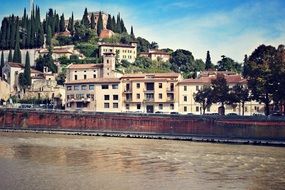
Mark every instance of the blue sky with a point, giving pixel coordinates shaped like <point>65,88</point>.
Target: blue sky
<point>224,27</point>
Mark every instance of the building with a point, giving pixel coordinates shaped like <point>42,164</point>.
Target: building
<point>123,51</point>
<point>60,51</point>
<point>156,55</point>
<point>189,87</point>
<point>150,93</point>
<point>105,33</point>
<point>91,71</point>
<point>5,91</point>
<point>97,94</point>
<point>96,15</point>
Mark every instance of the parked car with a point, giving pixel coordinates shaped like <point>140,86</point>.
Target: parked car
<point>190,114</point>
<point>159,112</point>
<point>232,114</point>
<point>174,113</point>
<point>276,114</point>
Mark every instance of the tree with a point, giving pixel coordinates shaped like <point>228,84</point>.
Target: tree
<point>204,97</point>
<point>228,64</point>
<point>259,74</point>
<point>154,45</point>
<point>49,36</point>
<point>132,33</point>
<point>10,56</point>
<point>2,63</point>
<point>123,28</point>
<point>70,26</point>
<point>240,95</point>
<point>220,93</point>
<point>93,24</point>
<point>62,23</point>
<point>114,25</point>
<point>27,71</point>
<point>85,19</point>
<point>118,24</point>
<point>99,24</point>
<point>209,65</point>
<point>109,23</point>
<point>17,53</point>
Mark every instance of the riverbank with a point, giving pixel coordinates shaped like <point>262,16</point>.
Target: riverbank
<point>118,134</point>
<point>217,129</point>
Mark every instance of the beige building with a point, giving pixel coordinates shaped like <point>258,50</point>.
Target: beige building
<point>98,94</point>
<point>150,93</point>
<point>189,87</point>
<point>60,51</point>
<point>122,51</point>
<point>156,55</point>
<point>4,90</point>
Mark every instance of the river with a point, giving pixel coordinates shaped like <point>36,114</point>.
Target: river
<point>41,161</point>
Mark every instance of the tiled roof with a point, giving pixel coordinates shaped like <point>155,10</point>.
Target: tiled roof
<point>116,45</point>
<point>105,33</point>
<point>85,66</point>
<point>96,80</point>
<point>152,75</point>
<point>231,79</point>
<point>18,65</point>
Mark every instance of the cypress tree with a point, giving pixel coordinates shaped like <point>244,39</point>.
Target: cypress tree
<point>114,26</point>
<point>28,43</point>
<point>41,37</point>
<point>13,32</point>
<point>57,24</point>
<point>93,24</point>
<point>62,23</point>
<point>122,26</point>
<point>208,63</point>
<point>27,71</point>
<point>132,33</point>
<point>99,24</point>
<point>118,24</point>
<point>4,28</point>
<point>10,56</point>
<point>49,36</point>
<point>85,20</point>
<point>8,34</point>
<point>2,63</point>
<point>109,23</point>
<point>17,58</point>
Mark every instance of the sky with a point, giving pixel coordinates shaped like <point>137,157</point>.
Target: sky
<point>224,27</point>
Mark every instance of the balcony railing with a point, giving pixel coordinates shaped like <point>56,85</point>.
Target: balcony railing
<point>149,100</point>
<point>80,100</point>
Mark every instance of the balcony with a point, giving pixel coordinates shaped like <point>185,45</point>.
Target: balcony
<point>127,91</point>
<point>80,100</point>
<point>149,100</point>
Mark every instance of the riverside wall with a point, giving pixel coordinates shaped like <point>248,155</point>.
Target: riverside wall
<point>196,126</point>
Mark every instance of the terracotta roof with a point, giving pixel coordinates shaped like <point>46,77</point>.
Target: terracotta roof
<point>116,45</point>
<point>84,66</point>
<point>18,65</point>
<point>36,71</point>
<point>105,33</point>
<point>152,75</point>
<point>96,80</point>
<point>231,79</point>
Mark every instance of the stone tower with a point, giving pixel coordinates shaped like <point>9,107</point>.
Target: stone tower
<point>109,65</point>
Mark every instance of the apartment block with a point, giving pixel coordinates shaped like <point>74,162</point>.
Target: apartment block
<point>122,51</point>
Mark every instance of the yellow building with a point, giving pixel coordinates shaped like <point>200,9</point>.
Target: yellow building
<point>99,94</point>
<point>189,87</point>
<point>150,93</point>
<point>123,51</point>
<point>156,55</point>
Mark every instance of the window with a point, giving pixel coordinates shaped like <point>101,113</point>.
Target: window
<point>106,105</point>
<point>107,97</point>
<point>105,86</point>
<point>160,106</point>
<point>197,108</point>
<point>115,97</point>
<point>185,108</point>
<point>85,76</point>
<point>159,85</point>
<point>76,87</point>
<point>197,88</point>
<point>245,109</point>
<point>138,85</point>
<point>94,76</point>
<point>138,106</point>
<point>208,109</point>
<point>115,86</point>
<point>127,106</point>
<point>185,88</point>
<point>69,88</point>
<point>172,106</point>
<point>185,98</point>
<point>115,105</point>
<point>138,96</point>
<point>83,87</point>
<point>75,77</point>
<point>160,96</point>
<point>91,87</point>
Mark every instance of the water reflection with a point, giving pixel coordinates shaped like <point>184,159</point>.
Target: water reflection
<point>72,162</point>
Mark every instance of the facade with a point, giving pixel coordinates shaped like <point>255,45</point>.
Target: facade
<point>96,15</point>
<point>156,55</point>
<point>189,87</point>
<point>105,33</point>
<point>123,51</point>
<point>60,51</point>
<point>5,90</point>
<point>150,93</point>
